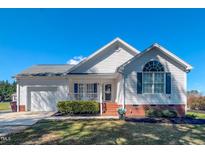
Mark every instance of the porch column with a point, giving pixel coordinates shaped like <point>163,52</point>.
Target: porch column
<point>123,105</point>
<point>17,97</point>
<point>101,108</point>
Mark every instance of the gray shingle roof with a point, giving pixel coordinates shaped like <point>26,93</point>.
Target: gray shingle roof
<point>46,70</point>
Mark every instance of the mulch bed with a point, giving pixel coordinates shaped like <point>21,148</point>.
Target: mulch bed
<point>183,120</point>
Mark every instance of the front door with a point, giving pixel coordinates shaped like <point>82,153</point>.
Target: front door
<point>107,92</point>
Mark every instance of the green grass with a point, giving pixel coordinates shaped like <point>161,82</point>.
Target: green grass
<point>5,106</point>
<point>196,115</point>
<point>108,132</point>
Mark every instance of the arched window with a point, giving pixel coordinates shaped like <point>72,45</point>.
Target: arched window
<point>153,77</point>
<point>153,66</point>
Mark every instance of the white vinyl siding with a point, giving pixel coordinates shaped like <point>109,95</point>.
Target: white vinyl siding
<point>178,81</point>
<point>105,62</point>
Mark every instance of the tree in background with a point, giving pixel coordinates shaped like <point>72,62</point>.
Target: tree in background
<point>195,93</point>
<point>6,90</point>
<point>195,100</point>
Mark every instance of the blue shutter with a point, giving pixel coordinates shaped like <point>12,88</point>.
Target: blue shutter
<point>168,83</point>
<point>95,87</point>
<point>139,83</point>
<point>75,88</point>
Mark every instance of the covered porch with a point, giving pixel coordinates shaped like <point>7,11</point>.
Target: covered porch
<point>101,88</point>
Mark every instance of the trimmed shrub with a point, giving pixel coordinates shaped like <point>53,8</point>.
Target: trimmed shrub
<point>161,113</point>
<point>62,107</point>
<point>153,113</point>
<point>78,107</point>
<point>169,113</point>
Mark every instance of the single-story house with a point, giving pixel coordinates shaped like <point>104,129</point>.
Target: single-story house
<point>117,75</point>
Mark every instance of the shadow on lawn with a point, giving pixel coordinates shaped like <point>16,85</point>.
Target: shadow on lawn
<point>177,120</point>
<point>108,132</point>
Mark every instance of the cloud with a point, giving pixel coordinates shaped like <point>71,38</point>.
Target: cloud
<point>75,60</point>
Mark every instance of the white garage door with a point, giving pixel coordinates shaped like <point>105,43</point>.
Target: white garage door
<point>43,101</point>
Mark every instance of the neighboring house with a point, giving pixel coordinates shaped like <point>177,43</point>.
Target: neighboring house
<point>116,75</point>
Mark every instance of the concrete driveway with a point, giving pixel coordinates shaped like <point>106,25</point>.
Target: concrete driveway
<point>16,121</point>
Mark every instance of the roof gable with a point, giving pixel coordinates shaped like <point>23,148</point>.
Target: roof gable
<point>116,42</point>
<point>171,55</point>
<point>184,64</point>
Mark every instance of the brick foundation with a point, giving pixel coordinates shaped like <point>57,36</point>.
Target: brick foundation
<point>139,110</point>
<point>110,109</point>
<point>22,108</point>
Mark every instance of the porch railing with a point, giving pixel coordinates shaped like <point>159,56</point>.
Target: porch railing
<point>84,96</point>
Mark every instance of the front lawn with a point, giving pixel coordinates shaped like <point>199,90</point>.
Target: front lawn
<point>195,114</point>
<point>108,132</point>
<point>5,106</point>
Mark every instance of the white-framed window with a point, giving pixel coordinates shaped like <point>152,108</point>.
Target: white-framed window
<point>91,88</point>
<point>85,91</point>
<point>85,88</point>
<point>153,82</point>
<point>147,83</point>
<point>159,82</point>
<point>80,88</point>
<point>153,78</point>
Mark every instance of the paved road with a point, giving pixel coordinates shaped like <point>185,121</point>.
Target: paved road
<point>16,121</point>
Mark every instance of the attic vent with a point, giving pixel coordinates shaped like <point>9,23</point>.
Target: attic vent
<point>117,48</point>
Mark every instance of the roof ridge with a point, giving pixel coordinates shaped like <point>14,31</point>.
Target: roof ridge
<point>51,64</point>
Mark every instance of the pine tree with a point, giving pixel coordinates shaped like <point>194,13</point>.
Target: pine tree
<point>6,90</point>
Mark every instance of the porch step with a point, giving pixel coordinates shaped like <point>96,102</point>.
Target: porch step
<point>107,107</point>
<point>110,114</point>
<point>110,109</point>
<point>111,104</point>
